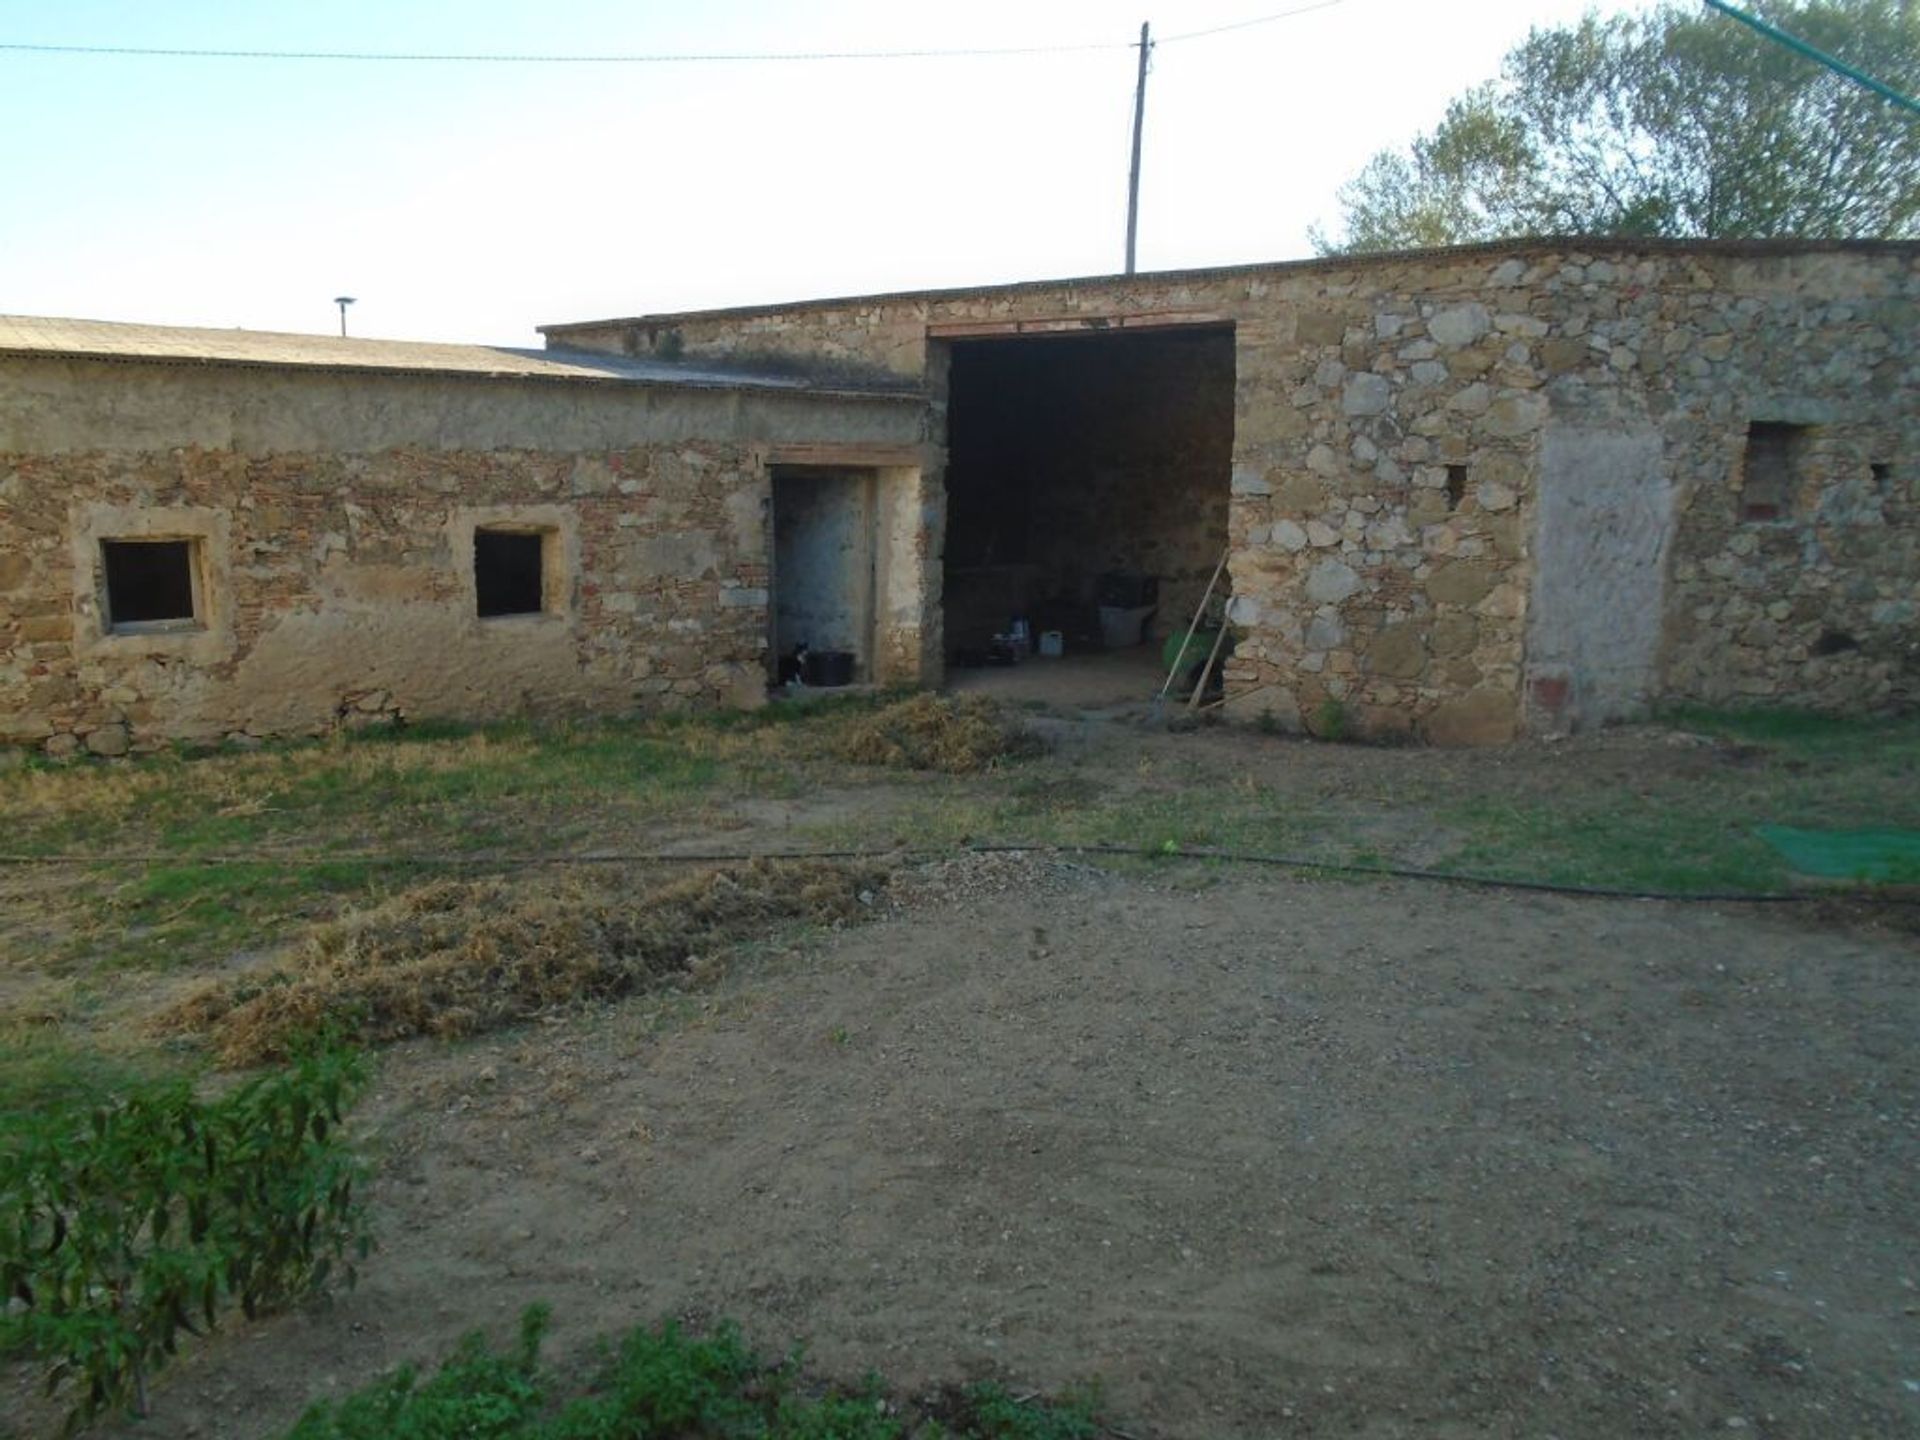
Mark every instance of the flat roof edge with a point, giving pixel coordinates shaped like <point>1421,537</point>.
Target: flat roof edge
<point>748,385</point>
<point>1609,244</point>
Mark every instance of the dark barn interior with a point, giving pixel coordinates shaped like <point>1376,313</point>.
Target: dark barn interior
<point>1085,469</point>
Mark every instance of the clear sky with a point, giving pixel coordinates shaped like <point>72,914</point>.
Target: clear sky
<point>475,201</point>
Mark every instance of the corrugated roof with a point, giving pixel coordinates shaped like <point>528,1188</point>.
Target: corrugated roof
<point>1592,244</point>
<point>108,340</point>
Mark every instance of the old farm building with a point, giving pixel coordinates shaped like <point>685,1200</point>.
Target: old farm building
<point>1470,493</point>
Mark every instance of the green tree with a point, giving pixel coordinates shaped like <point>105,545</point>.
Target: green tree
<point>1675,122</point>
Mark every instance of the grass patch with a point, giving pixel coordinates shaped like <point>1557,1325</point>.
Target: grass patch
<point>1801,732</point>
<point>1161,818</point>
<point>1228,817</point>
<point>666,1383</point>
<point>285,822</point>
<point>1658,844</point>
<point>1697,828</point>
<point>174,915</point>
<point>456,957</point>
<point>43,1069</point>
<point>414,788</point>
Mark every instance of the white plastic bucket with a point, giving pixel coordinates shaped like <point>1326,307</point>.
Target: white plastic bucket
<point>1120,628</point>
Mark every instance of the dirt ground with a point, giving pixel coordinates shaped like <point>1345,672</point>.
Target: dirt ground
<point>1266,1156</point>
<point>1096,680</point>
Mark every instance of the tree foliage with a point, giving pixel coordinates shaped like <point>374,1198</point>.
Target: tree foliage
<point>1674,122</point>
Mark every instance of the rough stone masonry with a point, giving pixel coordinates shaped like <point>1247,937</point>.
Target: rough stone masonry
<point>1497,489</point>
<point>324,503</point>
<point>1471,494</point>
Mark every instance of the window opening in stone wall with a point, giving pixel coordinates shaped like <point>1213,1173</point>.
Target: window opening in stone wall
<point>1771,473</point>
<point>149,582</point>
<point>1456,486</point>
<point>1882,479</point>
<point>509,572</point>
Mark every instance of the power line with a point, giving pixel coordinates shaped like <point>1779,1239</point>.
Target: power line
<point>1247,24</point>
<point>720,58</point>
<point>420,57</point>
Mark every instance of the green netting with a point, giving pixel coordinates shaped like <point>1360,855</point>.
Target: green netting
<point>1886,855</point>
<point>1181,650</point>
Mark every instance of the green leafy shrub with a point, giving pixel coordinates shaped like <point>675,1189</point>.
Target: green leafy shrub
<point>476,1395</point>
<point>1332,722</point>
<point>124,1224</point>
<point>666,1384</point>
<point>996,1415</point>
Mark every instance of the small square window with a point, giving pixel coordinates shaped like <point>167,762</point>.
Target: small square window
<point>149,582</point>
<point>1771,472</point>
<point>509,572</point>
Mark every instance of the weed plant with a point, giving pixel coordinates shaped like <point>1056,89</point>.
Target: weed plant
<point>125,1224</point>
<point>666,1383</point>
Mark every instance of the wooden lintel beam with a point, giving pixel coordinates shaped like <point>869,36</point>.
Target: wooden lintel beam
<point>852,456</point>
<point>1164,319</point>
<point>1074,324</point>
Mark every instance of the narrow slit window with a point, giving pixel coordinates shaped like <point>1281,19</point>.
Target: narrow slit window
<point>149,582</point>
<point>509,572</point>
<point>1771,471</point>
<point>1882,478</point>
<point>1456,486</point>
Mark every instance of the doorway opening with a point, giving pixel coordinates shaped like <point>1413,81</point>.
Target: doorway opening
<point>824,574</point>
<point>1088,481</point>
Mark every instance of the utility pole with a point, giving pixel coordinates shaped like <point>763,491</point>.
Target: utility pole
<point>1139,115</point>
<point>343,301</point>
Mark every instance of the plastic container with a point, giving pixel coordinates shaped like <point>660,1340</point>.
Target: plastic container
<point>1120,628</point>
<point>1052,644</point>
<point>829,668</point>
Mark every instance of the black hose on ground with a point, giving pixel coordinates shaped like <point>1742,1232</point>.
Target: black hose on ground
<point>1238,857</point>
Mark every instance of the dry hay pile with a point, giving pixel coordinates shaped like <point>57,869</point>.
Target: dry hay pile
<point>461,956</point>
<point>958,735</point>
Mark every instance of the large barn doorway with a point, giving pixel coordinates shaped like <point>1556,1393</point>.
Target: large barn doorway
<point>1087,481</point>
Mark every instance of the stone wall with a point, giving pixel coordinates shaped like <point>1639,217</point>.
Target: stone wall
<point>1819,605</point>
<point>331,519</point>
<point>1391,416</point>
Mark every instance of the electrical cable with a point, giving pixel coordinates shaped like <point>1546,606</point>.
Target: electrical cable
<point>1243,857</point>
<point>422,57</point>
<point>1246,24</point>
<point>727,57</point>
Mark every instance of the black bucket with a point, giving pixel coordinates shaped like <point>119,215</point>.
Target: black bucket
<point>828,668</point>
